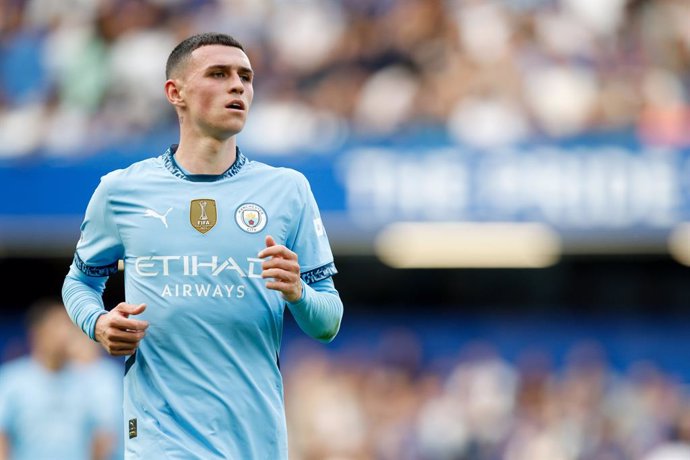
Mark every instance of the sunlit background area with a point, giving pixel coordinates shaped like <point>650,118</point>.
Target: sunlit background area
<point>505,185</point>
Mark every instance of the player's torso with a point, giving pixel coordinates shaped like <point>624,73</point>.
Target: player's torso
<point>214,329</point>
<point>191,248</point>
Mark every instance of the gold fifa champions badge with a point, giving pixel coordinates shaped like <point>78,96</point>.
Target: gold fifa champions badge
<point>202,214</point>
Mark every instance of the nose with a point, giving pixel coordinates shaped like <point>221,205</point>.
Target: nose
<point>236,84</point>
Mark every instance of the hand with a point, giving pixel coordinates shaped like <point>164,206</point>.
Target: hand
<point>283,268</point>
<point>117,332</point>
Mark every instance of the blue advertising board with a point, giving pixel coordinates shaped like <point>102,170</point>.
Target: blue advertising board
<point>590,192</point>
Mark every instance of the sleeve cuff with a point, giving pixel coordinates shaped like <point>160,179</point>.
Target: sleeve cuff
<point>320,273</point>
<point>91,331</point>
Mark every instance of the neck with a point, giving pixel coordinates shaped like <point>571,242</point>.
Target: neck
<point>207,155</point>
<point>49,361</point>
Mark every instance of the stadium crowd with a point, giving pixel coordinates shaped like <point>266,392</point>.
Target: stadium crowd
<point>388,401</point>
<point>479,406</point>
<point>85,74</point>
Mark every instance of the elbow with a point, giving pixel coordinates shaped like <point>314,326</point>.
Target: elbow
<point>326,338</point>
<point>328,335</point>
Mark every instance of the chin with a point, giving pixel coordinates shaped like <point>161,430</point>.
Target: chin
<point>225,132</point>
<point>234,129</point>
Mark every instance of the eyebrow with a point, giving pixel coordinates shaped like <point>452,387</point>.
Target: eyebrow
<point>240,69</point>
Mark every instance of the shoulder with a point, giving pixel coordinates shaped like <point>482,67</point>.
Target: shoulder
<point>131,174</point>
<point>133,171</point>
<point>16,370</point>
<point>286,175</point>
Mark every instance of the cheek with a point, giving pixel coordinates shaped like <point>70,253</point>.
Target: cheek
<point>204,103</point>
<point>249,94</point>
<point>201,100</point>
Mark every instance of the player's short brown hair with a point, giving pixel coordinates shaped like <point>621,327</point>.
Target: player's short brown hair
<point>182,51</point>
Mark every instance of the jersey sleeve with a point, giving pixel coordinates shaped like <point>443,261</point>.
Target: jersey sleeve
<point>99,248</point>
<point>309,239</point>
<point>96,258</point>
<point>319,311</point>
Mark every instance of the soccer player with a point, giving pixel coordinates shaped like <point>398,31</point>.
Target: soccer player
<point>104,377</point>
<point>214,245</point>
<point>47,410</point>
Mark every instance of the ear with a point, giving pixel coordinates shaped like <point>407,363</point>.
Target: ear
<point>173,91</point>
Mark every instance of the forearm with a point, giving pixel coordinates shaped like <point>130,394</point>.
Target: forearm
<point>320,310</point>
<point>4,447</point>
<point>82,296</point>
<point>102,446</point>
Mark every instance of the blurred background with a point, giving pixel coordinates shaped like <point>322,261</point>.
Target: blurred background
<point>505,184</point>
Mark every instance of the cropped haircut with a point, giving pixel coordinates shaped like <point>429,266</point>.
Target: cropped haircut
<point>184,49</point>
<point>40,309</point>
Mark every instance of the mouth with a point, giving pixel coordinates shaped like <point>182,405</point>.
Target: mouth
<point>235,105</point>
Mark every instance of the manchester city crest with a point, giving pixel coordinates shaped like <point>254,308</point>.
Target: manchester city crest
<point>251,217</point>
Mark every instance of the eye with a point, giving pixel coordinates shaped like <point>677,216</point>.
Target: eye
<point>246,77</point>
<point>218,74</point>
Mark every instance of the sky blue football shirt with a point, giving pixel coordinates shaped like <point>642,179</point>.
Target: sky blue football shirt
<point>204,383</point>
<point>47,415</point>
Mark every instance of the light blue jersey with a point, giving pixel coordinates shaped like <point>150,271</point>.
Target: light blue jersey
<point>205,381</point>
<point>104,378</point>
<point>47,415</point>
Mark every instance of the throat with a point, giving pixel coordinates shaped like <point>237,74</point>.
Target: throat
<point>205,161</point>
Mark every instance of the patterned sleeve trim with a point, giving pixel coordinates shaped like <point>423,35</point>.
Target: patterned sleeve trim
<point>318,274</point>
<point>104,270</point>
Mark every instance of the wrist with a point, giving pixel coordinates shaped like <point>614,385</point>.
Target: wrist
<point>98,327</point>
<point>301,296</point>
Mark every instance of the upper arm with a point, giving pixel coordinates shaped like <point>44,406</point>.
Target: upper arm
<point>309,239</point>
<point>100,247</point>
<point>96,258</point>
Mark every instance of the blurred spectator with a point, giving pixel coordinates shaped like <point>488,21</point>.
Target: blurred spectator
<point>677,447</point>
<point>47,408</point>
<point>483,408</point>
<point>488,72</point>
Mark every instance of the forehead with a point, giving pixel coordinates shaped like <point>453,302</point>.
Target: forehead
<point>213,55</point>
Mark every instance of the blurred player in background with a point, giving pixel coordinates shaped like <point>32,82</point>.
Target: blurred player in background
<point>104,378</point>
<point>46,407</point>
<point>214,246</point>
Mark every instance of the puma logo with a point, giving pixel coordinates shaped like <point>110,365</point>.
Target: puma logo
<point>163,217</point>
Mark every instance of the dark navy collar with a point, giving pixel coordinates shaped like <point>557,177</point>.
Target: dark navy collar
<point>171,165</point>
